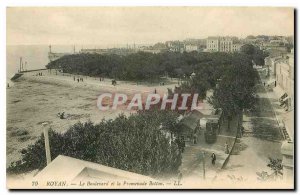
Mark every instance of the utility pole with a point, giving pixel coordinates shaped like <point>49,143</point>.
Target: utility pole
<point>47,146</point>
<point>20,64</point>
<point>203,155</point>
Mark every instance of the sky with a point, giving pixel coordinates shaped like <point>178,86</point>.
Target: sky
<point>140,25</point>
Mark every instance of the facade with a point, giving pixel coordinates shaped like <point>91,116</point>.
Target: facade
<point>271,63</point>
<point>212,44</point>
<point>190,48</point>
<point>284,76</point>
<point>285,79</point>
<point>236,47</point>
<point>191,44</point>
<point>223,44</point>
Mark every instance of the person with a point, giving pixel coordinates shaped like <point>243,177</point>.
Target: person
<point>182,143</point>
<point>77,80</point>
<point>264,84</point>
<point>62,116</point>
<point>74,78</point>
<point>213,159</point>
<point>155,91</point>
<point>242,130</point>
<point>226,148</point>
<point>195,138</point>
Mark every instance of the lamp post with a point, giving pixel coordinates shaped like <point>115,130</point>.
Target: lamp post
<point>203,156</point>
<point>47,145</point>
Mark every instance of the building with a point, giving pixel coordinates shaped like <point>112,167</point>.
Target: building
<point>271,63</point>
<point>237,47</point>
<point>191,124</point>
<point>213,44</point>
<point>199,43</point>
<point>284,88</point>
<point>73,171</point>
<point>223,44</point>
<point>285,79</point>
<point>175,46</point>
<point>190,48</point>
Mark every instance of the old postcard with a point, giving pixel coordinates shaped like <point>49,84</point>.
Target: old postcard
<point>150,98</point>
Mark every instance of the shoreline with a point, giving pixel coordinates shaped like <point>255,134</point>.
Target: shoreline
<point>33,103</point>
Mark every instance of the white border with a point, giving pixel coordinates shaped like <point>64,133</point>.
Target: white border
<point>11,3</point>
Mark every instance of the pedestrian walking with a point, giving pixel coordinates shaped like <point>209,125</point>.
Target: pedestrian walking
<point>195,138</point>
<point>213,159</point>
<point>155,91</point>
<point>74,78</point>
<point>78,80</point>
<point>182,143</point>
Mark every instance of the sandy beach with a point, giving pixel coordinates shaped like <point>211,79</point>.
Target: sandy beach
<point>33,103</point>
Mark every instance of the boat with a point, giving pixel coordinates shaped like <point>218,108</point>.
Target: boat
<point>19,74</point>
<point>16,76</point>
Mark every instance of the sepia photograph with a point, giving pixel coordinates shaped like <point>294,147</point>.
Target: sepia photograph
<point>150,97</point>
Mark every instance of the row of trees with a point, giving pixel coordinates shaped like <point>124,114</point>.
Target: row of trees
<point>137,143</point>
<point>232,79</point>
<point>148,66</point>
<point>235,90</point>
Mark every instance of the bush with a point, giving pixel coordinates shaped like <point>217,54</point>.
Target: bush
<point>136,143</point>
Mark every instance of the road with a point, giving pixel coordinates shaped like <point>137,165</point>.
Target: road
<point>262,140</point>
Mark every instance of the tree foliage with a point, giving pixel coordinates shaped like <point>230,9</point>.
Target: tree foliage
<point>254,53</point>
<point>235,89</point>
<point>137,143</point>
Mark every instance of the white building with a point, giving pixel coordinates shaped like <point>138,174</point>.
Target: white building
<point>190,48</point>
<point>223,44</point>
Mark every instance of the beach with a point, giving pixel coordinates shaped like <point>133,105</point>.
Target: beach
<point>33,103</point>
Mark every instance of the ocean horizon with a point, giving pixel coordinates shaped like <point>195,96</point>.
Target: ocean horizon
<point>36,56</point>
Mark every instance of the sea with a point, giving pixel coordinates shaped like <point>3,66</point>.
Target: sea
<point>36,56</point>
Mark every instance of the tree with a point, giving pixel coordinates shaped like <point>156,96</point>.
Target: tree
<point>254,53</point>
<point>235,91</point>
<point>276,167</point>
<point>136,143</point>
